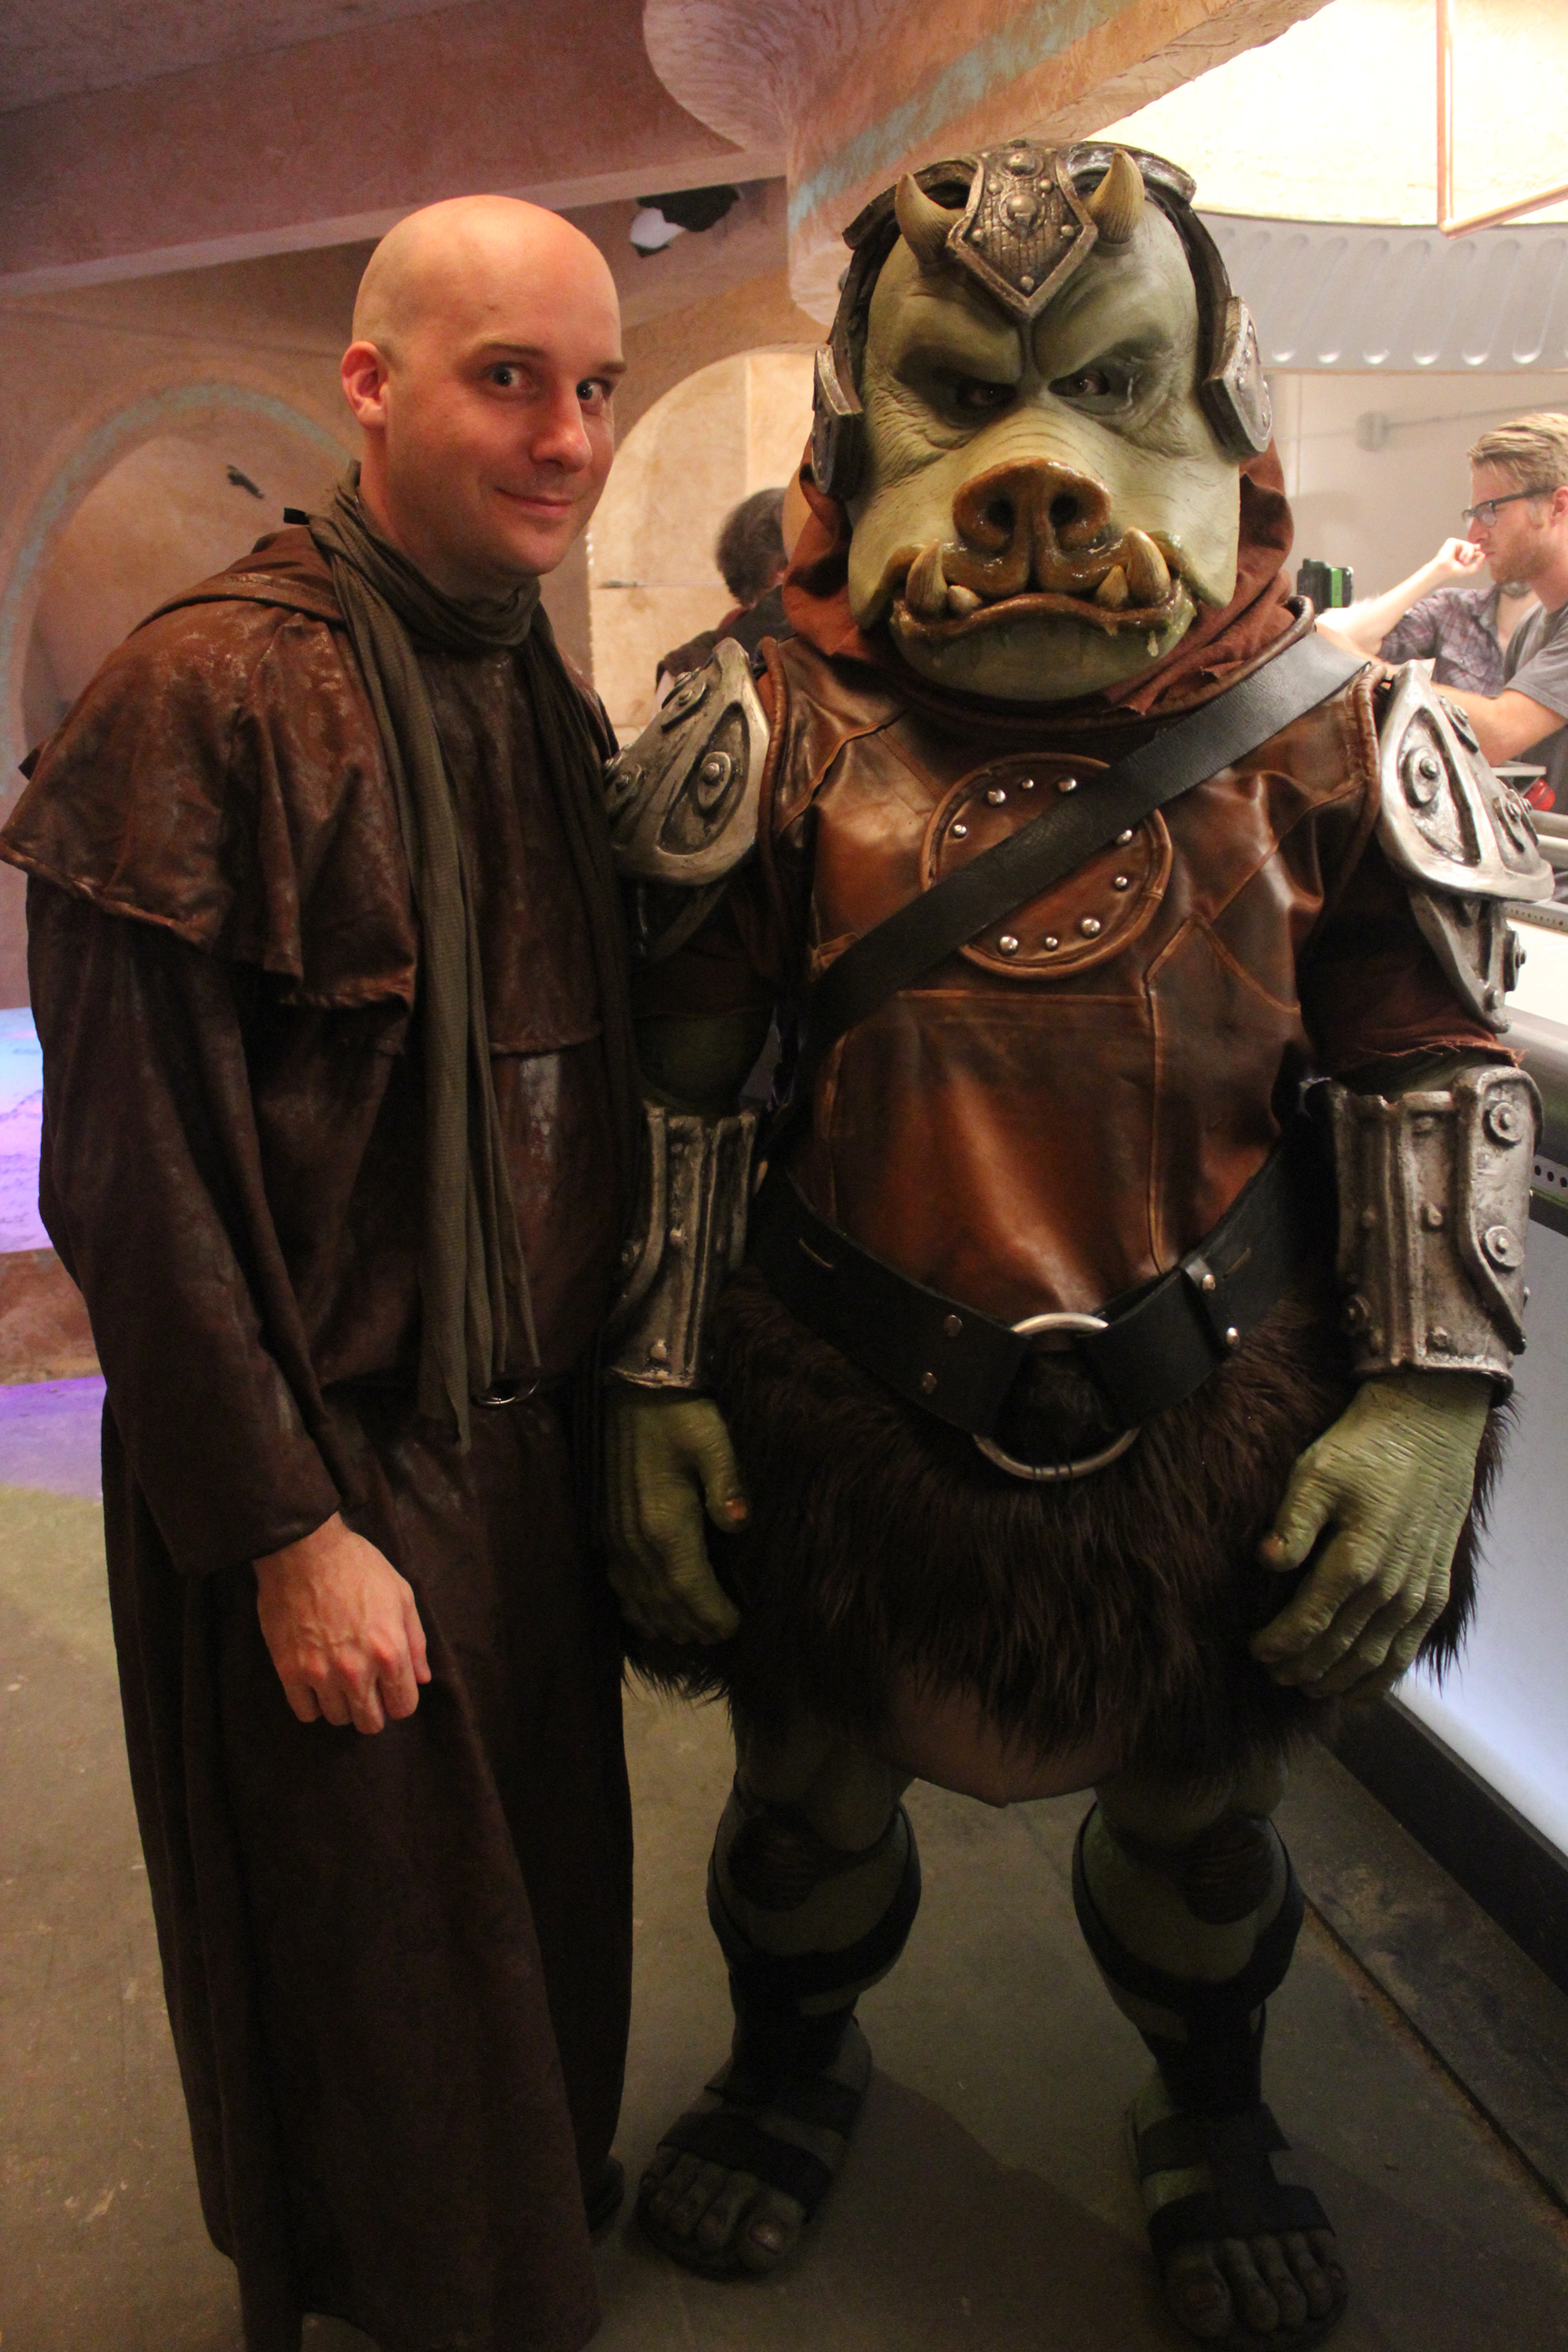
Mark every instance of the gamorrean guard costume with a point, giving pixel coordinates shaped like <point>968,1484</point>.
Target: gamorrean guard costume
<point>1039,1304</point>
<point>398,1968</point>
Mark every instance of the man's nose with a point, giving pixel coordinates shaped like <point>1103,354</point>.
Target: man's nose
<point>560,437</point>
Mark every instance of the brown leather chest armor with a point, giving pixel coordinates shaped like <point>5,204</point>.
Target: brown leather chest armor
<point>1062,1108</point>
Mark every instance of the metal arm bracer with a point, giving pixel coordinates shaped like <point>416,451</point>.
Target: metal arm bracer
<point>690,1237</point>
<point>1460,838</point>
<point>1434,1198</point>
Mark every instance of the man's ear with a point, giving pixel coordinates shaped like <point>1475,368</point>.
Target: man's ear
<point>364,379</point>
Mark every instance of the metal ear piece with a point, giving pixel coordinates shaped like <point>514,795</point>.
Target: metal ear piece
<point>1234,394</point>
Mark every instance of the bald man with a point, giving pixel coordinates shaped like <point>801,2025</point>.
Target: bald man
<point>326,962</point>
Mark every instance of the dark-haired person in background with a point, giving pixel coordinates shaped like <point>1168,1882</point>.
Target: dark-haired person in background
<point>752,558</point>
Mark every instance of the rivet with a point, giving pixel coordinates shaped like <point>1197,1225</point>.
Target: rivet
<point>1067,783</point>
<point>1026,282</point>
<point>1090,927</point>
<point>1121,882</point>
<point>953,1325</point>
<point>659,1353</point>
<point>1437,1337</point>
<point>1427,764</point>
<point>1123,838</point>
<point>1432,1217</point>
<point>1026,783</point>
<point>678,1237</point>
<point>995,795</point>
<point>1008,943</point>
<point>1052,939</point>
<point>928,1384</point>
<point>1369,1221</point>
<point>1207,1283</point>
<point>961,832</point>
<point>1232,1336</point>
<point>1527,1294</point>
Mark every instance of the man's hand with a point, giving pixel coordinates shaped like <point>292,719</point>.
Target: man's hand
<point>1457,560</point>
<point>1392,1479</point>
<point>667,1459</point>
<point>342,1629</point>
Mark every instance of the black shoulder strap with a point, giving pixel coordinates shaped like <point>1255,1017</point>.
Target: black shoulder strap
<point>1055,844</point>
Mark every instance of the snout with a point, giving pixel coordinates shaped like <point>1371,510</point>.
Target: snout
<point>1038,529</point>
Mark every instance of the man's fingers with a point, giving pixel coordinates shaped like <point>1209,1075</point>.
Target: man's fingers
<point>302,1699</point>
<point>418,1655</point>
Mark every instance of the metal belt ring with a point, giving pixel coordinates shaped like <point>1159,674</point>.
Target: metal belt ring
<point>1039,1472</point>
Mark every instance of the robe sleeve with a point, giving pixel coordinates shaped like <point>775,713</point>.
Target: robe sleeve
<point>152,1187</point>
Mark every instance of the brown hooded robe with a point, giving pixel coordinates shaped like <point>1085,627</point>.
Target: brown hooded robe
<point>397,1967</point>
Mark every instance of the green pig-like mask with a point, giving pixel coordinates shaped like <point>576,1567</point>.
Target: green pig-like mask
<point>1036,409</point>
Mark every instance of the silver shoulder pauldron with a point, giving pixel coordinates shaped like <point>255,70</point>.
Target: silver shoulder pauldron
<point>683,801</point>
<point>1460,838</point>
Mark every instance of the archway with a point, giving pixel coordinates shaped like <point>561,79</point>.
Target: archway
<point>735,426</point>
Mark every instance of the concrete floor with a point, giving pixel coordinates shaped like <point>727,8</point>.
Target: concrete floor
<point>985,2205</point>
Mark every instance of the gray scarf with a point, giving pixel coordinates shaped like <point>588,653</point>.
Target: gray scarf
<point>476,1318</point>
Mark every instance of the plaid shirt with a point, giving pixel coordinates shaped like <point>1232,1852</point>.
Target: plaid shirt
<point>1456,630</point>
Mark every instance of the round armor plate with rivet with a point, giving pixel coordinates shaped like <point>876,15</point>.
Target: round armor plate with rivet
<point>1093,913</point>
<point>1502,1247</point>
<point>1504,1124</point>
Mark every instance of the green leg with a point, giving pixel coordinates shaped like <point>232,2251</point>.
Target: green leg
<point>1188,1902</point>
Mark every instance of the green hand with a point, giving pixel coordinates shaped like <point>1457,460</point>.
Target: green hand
<point>1393,1478</point>
<point>666,1458</point>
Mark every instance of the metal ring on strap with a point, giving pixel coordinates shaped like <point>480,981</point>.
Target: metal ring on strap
<point>1038,1472</point>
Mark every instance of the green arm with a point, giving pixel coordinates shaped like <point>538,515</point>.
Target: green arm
<point>1389,1485</point>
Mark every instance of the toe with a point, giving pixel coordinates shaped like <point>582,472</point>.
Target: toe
<point>699,2194</point>
<point>717,2227</point>
<point>1280,2281</point>
<point>1309,2275</point>
<point>1197,2294</point>
<point>667,2180</point>
<point>1253,2300</point>
<point>771,2230</point>
<point>1325,2248</point>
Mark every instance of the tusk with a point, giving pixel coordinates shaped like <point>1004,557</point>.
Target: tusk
<point>1147,574</point>
<point>925,590</point>
<point>964,601</point>
<point>924,223</point>
<point>1116,207</point>
<point>1112,591</point>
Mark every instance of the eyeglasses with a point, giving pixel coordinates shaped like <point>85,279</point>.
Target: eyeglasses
<point>1486,513</point>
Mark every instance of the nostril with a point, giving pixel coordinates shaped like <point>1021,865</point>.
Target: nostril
<point>999,516</point>
<point>1065,510</point>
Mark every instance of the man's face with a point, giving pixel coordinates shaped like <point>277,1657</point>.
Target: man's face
<point>491,434</point>
<point>1526,536</point>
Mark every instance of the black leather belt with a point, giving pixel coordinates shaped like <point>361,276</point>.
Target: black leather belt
<point>1144,1353</point>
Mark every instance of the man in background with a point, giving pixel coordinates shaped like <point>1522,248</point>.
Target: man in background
<point>1517,523</point>
<point>338,1108</point>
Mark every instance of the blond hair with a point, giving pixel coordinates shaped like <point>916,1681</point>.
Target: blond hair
<point>1534,450</point>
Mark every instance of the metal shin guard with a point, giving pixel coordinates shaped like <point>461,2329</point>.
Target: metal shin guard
<point>791,2010</point>
<point>1217,2068</point>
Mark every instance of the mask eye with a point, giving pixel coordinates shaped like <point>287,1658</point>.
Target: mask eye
<point>1106,386</point>
<point>974,397</point>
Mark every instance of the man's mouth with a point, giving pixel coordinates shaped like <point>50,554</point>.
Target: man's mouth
<point>1134,582</point>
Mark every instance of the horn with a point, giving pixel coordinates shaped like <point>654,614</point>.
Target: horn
<point>1116,207</point>
<point>923,224</point>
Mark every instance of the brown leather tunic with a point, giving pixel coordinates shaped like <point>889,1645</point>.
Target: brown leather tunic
<point>1056,1114</point>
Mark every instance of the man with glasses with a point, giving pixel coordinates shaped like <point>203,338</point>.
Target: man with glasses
<point>1517,525</point>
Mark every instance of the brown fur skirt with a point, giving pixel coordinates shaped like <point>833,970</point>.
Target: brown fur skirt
<point>1115,1606</point>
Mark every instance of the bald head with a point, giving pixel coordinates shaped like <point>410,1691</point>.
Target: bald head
<point>465,253</point>
<point>486,347</point>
